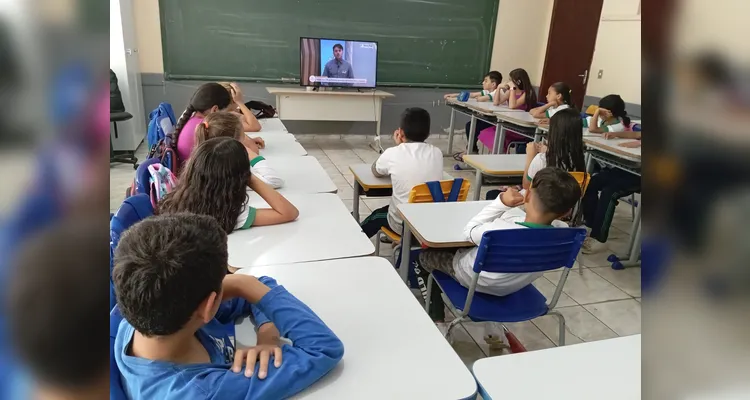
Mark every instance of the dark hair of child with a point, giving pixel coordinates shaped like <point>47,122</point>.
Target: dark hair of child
<point>214,182</point>
<point>615,104</point>
<point>208,95</point>
<point>520,77</point>
<point>565,141</point>
<point>415,122</point>
<point>557,190</point>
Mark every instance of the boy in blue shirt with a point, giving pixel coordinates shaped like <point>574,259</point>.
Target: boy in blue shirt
<point>175,295</point>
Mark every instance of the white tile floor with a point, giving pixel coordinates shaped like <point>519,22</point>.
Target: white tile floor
<point>599,304</point>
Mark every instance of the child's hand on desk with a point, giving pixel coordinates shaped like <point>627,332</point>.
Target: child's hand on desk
<point>259,142</point>
<point>543,121</point>
<point>611,135</point>
<point>632,145</point>
<point>449,96</point>
<point>262,353</point>
<point>511,198</point>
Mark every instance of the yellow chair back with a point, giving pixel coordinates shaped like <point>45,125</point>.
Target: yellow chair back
<point>590,110</point>
<point>421,193</point>
<point>583,179</point>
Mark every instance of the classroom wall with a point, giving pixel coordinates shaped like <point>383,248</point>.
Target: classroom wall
<point>526,19</point>
<point>618,52</point>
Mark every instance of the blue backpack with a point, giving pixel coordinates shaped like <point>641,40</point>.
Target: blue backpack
<point>133,209</point>
<point>161,122</point>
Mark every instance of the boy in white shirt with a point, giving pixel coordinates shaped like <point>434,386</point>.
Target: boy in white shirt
<point>552,194</point>
<point>409,163</point>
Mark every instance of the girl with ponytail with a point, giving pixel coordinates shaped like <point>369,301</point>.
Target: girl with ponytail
<point>209,98</point>
<point>558,98</point>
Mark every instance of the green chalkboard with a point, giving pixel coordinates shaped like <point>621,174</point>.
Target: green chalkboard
<point>421,43</point>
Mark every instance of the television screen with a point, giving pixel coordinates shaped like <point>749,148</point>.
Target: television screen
<point>338,63</point>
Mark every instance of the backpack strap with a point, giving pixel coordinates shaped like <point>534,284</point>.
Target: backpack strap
<point>455,189</point>
<point>436,191</point>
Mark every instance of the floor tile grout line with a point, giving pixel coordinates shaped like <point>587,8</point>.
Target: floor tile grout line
<point>612,283</point>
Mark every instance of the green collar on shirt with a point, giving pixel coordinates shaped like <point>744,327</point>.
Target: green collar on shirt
<point>533,225</point>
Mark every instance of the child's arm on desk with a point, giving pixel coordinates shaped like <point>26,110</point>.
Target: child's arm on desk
<point>622,135</point>
<point>381,166</point>
<point>483,221</point>
<point>281,210</point>
<point>540,112</point>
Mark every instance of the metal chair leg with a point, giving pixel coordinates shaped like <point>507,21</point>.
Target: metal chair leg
<point>451,325</point>
<point>561,333</point>
<point>427,301</point>
<point>396,249</point>
<point>377,243</point>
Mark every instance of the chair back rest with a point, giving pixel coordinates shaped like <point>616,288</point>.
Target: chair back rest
<point>590,110</point>
<point>528,249</point>
<point>116,392</point>
<point>583,179</point>
<point>440,191</point>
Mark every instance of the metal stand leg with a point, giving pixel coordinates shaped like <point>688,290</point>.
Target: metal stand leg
<point>630,259</point>
<point>478,185</point>
<point>472,134</point>
<point>499,138</point>
<point>355,206</point>
<point>451,128</point>
<point>403,268</point>
<point>537,135</point>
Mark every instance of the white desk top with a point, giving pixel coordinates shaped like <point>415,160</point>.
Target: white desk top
<point>392,348</point>
<point>363,175</point>
<point>296,90</point>
<point>272,125</point>
<point>279,145</point>
<point>612,368</point>
<point>441,224</point>
<point>497,164</point>
<point>306,239</point>
<point>612,146</point>
<point>486,107</point>
<point>517,118</point>
<point>301,175</point>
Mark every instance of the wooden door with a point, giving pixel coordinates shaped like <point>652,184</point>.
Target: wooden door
<point>570,46</point>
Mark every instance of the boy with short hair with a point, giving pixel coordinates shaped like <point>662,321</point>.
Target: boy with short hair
<point>553,194</point>
<point>170,278</point>
<point>409,163</point>
<point>490,89</point>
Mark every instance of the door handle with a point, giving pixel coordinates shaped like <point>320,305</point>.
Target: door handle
<point>585,76</point>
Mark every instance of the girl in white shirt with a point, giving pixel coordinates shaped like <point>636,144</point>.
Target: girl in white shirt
<point>558,98</point>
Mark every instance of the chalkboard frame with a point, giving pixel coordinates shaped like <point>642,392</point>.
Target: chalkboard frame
<point>168,76</point>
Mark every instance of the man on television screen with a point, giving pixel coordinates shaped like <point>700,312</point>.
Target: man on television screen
<point>338,67</point>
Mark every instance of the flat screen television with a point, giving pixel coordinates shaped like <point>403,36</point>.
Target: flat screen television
<point>338,63</point>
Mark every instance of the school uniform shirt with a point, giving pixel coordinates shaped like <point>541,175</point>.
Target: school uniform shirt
<point>552,110</point>
<point>408,165</point>
<point>494,216</point>
<point>186,139</point>
<point>315,351</point>
<point>491,94</point>
<point>538,163</point>
<point>618,126</point>
<point>261,168</point>
<point>246,218</point>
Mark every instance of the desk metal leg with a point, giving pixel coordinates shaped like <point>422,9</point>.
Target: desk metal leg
<point>472,134</point>
<point>537,135</point>
<point>355,206</point>
<point>630,259</point>
<point>589,163</point>
<point>477,185</point>
<point>451,128</point>
<point>499,138</point>
<point>403,269</point>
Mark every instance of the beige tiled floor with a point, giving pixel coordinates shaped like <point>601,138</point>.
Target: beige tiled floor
<point>599,304</point>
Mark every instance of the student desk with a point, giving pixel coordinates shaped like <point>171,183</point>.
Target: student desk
<point>608,152</point>
<point>365,180</point>
<point>484,110</point>
<point>392,348</point>
<point>435,225</point>
<point>302,175</point>
<point>612,368</point>
<point>496,165</point>
<point>309,238</point>
<point>272,125</point>
<point>279,145</point>
<point>515,118</point>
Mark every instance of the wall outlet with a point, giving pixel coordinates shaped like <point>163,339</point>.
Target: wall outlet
<point>600,74</point>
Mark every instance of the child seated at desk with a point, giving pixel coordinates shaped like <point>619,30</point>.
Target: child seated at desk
<point>176,297</point>
<point>489,92</point>
<point>602,196</point>
<point>209,98</point>
<point>214,182</point>
<point>225,124</point>
<point>558,98</point>
<point>552,195</point>
<point>409,163</point>
<point>519,95</point>
<point>609,117</point>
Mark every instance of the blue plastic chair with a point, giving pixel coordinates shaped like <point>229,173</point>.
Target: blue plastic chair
<point>512,251</point>
<point>116,392</point>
